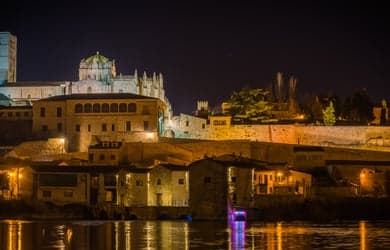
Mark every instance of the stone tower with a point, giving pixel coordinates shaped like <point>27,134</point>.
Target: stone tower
<point>8,48</point>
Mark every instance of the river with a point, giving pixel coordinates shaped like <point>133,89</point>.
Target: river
<point>102,235</point>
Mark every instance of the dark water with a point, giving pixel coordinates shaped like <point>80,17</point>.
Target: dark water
<point>16,234</point>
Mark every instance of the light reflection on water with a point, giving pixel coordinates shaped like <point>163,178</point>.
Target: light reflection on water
<point>102,235</point>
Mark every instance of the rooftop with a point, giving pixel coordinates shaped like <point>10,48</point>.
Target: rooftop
<point>96,96</point>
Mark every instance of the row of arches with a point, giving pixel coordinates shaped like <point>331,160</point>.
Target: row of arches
<point>105,107</point>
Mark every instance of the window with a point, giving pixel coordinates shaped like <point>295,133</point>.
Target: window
<point>43,112</point>
<point>112,127</point>
<point>77,127</point>
<point>9,114</point>
<point>132,107</point>
<point>114,107</point>
<point>90,157</point>
<point>88,108</point>
<point>105,108</point>
<point>44,128</point>
<point>219,122</point>
<point>26,113</point>
<point>68,194</point>
<point>17,114</point>
<point>112,157</point>
<point>46,193</point>
<point>128,126</point>
<point>59,127</point>
<point>104,127</point>
<point>203,125</point>
<point>146,125</point>
<point>187,123</point>
<point>78,108</point>
<point>159,181</point>
<point>101,157</point>
<point>96,108</point>
<point>139,183</point>
<point>207,179</point>
<point>233,179</point>
<point>181,181</point>
<point>89,127</point>
<point>59,112</point>
<point>122,107</point>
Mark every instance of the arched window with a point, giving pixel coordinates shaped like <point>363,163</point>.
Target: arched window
<point>78,108</point>
<point>132,107</point>
<point>122,107</point>
<point>114,107</point>
<point>105,107</point>
<point>96,108</point>
<point>89,90</point>
<point>87,108</point>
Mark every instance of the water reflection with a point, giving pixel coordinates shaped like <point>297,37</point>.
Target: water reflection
<point>104,235</point>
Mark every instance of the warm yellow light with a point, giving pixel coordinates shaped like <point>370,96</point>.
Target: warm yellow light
<point>150,135</point>
<point>62,140</point>
<point>279,174</point>
<point>362,175</point>
<point>11,174</point>
<point>20,176</point>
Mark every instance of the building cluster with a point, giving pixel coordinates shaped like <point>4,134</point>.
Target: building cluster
<point>106,140</point>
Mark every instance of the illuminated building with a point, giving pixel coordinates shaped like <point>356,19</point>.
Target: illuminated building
<point>88,119</point>
<point>8,47</point>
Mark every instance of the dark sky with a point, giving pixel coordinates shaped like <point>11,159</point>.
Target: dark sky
<point>207,50</point>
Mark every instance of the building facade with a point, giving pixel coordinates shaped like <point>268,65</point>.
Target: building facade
<point>88,119</point>
<point>8,49</point>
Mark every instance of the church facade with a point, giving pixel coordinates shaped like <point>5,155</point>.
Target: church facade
<point>97,75</point>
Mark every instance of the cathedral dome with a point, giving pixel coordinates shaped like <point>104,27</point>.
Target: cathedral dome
<point>96,59</point>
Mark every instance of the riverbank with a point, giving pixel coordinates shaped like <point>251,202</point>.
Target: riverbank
<point>318,209</point>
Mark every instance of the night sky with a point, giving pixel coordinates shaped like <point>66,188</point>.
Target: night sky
<point>207,50</point>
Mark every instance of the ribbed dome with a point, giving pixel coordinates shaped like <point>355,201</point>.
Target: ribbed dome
<point>95,58</point>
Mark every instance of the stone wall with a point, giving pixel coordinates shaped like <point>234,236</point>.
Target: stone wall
<point>374,137</point>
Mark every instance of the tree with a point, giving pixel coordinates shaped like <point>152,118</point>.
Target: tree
<point>249,105</point>
<point>358,108</point>
<point>329,115</point>
<point>383,112</point>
